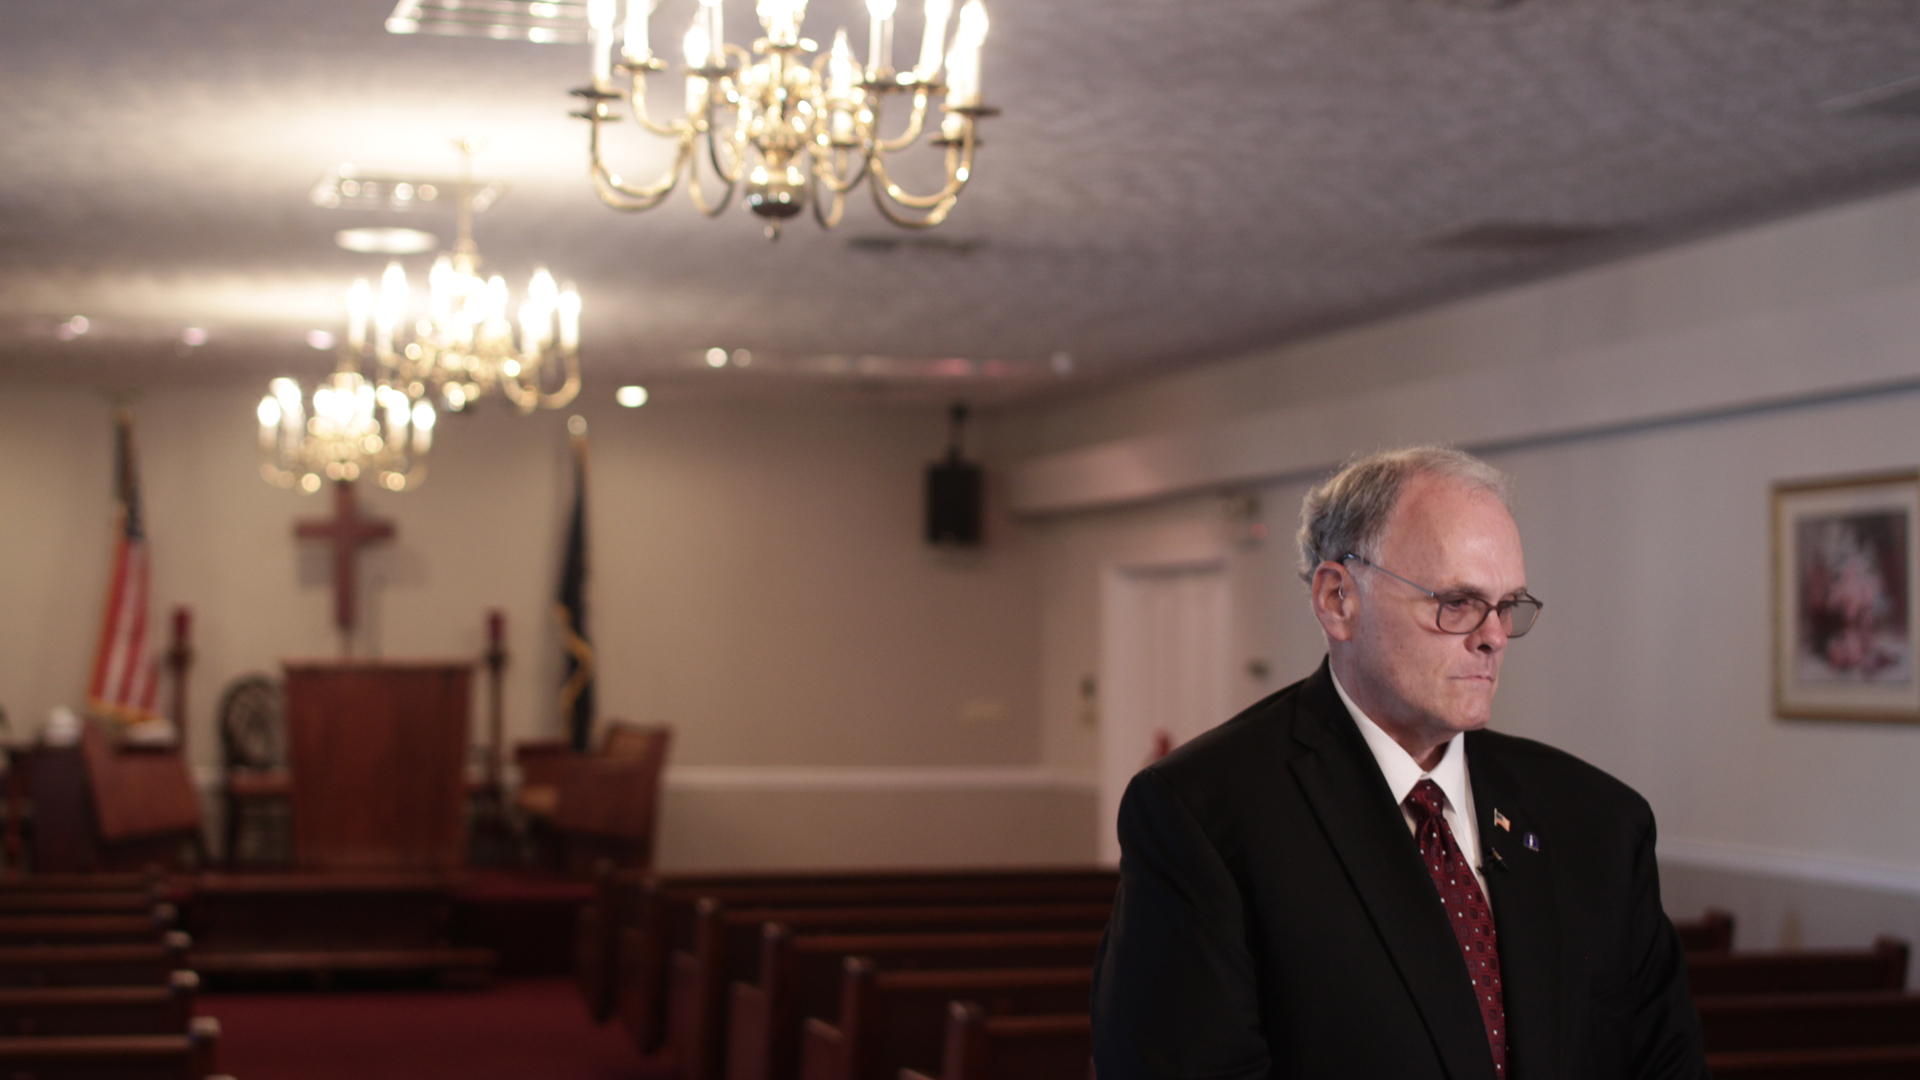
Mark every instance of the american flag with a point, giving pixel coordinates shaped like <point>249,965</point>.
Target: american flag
<point>126,675</point>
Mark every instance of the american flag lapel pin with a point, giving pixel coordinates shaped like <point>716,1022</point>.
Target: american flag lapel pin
<point>1500,820</point>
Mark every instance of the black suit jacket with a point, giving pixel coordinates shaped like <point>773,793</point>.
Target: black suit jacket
<point>1275,919</point>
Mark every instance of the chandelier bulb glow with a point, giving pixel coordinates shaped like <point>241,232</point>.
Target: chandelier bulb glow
<point>933,41</point>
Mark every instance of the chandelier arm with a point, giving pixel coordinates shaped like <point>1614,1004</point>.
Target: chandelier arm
<point>528,398</point>
<point>621,196</point>
<point>959,164</point>
<point>737,141</point>
<point>699,196</point>
<point>831,173</point>
<point>827,219</point>
<point>637,101</point>
<point>915,124</point>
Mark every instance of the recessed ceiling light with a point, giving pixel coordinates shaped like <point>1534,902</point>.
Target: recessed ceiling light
<point>742,358</point>
<point>386,241</point>
<point>320,339</point>
<point>631,396</point>
<point>716,358</point>
<point>193,335</point>
<point>72,328</point>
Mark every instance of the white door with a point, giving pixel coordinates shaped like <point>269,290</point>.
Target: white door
<point>1165,673</point>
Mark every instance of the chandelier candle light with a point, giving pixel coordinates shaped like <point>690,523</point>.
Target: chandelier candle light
<point>356,427</point>
<point>790,130</point>
<point>464,349</point>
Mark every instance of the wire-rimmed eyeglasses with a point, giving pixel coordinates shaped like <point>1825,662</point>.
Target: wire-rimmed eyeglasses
<point>1463,613</point>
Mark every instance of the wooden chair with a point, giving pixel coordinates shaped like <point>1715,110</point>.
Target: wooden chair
<point>1713,932</point>
<point>1883,967</point>
<point>596,806</point>
<point>800,978</point>
<point>253,754</point>
<point>893,1020</point>
<point>145,809</point>
<point>1055,1046</point>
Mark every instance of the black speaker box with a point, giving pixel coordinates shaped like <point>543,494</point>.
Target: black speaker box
<point>953,502</point>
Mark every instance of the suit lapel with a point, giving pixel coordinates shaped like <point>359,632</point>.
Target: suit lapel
<point>1520,884</point>
<point>1349,797</point>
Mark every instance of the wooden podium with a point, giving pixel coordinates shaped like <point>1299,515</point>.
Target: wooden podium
<point>377,753</point>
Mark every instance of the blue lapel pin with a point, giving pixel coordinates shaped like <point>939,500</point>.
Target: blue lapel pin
<point>1531,842</point>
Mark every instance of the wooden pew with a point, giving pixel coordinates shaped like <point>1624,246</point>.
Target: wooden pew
<point>1712,932</point>
<point>1056,1046</point>
<point>79,901</point>
<point>893,1020</point>
<point>624,947</point>
<point>150,964</point>
<point>726,948</point>
<point>1851,1063</point>
<point>104,881</point>
<point>188,1055</point>
<point>800,977</point>
<point>99,1010</point>
<point>86,929</point>
<point>1883,967</point>
<point>1809,1021</point>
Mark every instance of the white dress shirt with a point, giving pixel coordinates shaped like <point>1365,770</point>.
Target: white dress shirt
<point>1403,772</point>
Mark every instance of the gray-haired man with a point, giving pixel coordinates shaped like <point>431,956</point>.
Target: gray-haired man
<point>1353,879</point>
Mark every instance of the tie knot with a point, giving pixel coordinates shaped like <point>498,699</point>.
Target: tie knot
<point>1426,800</point>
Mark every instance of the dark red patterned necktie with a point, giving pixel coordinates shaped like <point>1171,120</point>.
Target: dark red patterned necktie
<point>1467,910</point>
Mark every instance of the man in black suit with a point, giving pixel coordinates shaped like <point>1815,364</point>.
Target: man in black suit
<point>1353,879</point>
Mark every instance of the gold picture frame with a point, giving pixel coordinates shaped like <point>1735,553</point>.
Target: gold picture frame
<point>1846,570</point>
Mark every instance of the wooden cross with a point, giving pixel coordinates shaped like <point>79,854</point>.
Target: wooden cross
<point>346,530</point>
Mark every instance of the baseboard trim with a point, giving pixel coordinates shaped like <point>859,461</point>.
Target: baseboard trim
<point>1776,862</point>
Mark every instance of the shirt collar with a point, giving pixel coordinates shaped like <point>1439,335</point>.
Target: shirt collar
<point>1399,767</point>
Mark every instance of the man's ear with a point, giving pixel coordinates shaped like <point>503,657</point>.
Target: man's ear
<point>1334,602</point>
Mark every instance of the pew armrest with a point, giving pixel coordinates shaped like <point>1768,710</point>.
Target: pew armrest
<point>823,1051</point>
<point>749,1039</point>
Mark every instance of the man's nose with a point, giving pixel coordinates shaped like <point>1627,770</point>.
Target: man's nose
<point>1491,635</point>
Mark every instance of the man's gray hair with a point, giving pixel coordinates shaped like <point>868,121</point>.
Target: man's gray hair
<point>1348,511</point>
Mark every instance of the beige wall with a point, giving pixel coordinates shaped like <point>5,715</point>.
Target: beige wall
<point>759,582</point>
<point>1647,536</point>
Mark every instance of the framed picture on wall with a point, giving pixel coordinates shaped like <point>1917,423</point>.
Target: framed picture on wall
<point>1845,575</point>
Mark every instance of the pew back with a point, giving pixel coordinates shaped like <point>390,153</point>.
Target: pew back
<point>800,976</point>
<point>982,1047</point>
<point>893,1020</point>
<point>1884,967</point>
<point>726,949</point>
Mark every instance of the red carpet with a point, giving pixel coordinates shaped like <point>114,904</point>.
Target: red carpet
<point>526,1029</point>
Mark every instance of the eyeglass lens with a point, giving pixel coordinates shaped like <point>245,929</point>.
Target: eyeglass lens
<point>1464,614</point>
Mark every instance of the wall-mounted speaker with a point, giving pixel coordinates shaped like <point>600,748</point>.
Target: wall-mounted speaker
<point>954,490</point>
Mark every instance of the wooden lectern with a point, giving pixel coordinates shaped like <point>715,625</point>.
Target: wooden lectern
<point>377,752</point>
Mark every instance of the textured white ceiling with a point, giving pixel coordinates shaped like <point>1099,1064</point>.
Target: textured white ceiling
<point>1172,181</point>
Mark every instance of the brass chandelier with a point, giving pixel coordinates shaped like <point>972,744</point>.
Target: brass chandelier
<point>375,414</point>
<point>790,131</point>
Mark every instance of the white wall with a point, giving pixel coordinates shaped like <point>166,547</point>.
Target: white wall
<point>1644,409</point>
<point>759,582</point>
